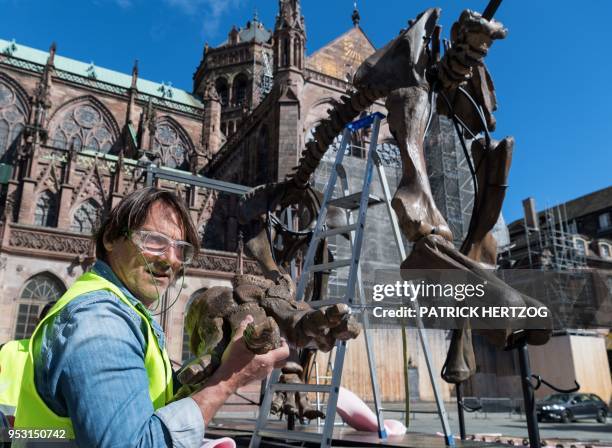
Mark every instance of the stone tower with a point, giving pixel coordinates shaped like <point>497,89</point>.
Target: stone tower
<point>289,44</point>
<point>236,68</point>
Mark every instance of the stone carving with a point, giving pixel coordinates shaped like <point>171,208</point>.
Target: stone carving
<point>49,178</point>
<point>30,239</point>
<point>91,185</point>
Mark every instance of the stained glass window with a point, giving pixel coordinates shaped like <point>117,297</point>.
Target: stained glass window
<point>84,127</point>
<point>4,133</point>
<point>170,146</point>
<point>38,291</point>
<point>45,213</point>
<point>86,217</point>
<point>12,117</point>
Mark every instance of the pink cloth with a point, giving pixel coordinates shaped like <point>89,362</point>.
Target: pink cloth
<point>355,413</point>
<point>224,442</point>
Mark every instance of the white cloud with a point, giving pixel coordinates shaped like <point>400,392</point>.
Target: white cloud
<point>210,11</point>
<point>124,3</point>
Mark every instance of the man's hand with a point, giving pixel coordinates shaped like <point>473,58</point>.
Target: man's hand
<point>239,367</point>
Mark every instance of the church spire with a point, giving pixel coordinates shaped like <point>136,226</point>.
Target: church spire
<point>134,74</point>
<point>355,17</point>
<point>289,15</point>
<point>289,36</point>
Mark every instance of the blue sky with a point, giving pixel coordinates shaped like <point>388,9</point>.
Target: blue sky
<point>552,73</point>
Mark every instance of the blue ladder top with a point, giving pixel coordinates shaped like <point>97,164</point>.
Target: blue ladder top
<point>364,122</point>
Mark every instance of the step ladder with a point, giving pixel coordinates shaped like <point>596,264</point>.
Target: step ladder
<point>352,203</point>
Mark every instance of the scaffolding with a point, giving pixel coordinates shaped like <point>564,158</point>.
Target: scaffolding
<point>449,176</point>
<point>547,243</point>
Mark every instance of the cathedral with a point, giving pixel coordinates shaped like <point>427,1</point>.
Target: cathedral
<point>75,138</point>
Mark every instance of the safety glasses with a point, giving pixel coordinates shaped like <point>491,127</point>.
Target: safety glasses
<point>157,244</point>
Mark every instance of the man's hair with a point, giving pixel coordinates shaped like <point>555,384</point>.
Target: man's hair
<point>131,213</point>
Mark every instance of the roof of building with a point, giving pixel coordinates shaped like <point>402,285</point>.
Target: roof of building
<point>589,203</point>
<point>342,55</point>
<point>161,90</point>
<point>254,31</point>
<point>584,205</point>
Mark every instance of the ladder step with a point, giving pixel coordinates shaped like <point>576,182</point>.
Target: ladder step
<point>351,202</point>
<point>313,437</point>
<point>332,265</point>
<point>338,231</point>
<point>324,388</point>
<point>328,302</point>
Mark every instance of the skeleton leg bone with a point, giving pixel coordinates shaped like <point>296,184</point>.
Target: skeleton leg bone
<point>413,202</point>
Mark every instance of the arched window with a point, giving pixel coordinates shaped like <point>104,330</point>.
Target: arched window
<point>297,53</point>
<point>186,352</point>
<point>285,53</point>
<point>263,147</point>
<point>86,217</point>
<point>83,126</point>
<point>223,91</point>
<point>45,213</point>
<point>171,145</point>
<point>12,117</point>
<point>240,87</point>
<point>38,291</point>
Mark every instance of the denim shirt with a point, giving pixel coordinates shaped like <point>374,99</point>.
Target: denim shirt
<point>91,368</point>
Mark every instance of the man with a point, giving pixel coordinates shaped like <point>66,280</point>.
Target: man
<point>13,356</point>
<point>98,367</point>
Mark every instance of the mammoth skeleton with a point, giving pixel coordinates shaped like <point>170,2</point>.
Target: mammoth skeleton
<point>415,79</point>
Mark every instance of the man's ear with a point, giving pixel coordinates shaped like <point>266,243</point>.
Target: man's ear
<point>108,244</point>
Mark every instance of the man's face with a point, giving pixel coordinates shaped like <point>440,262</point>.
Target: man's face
<point>148,276</point>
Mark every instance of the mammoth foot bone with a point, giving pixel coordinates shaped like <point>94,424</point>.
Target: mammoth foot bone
<point>434,252</point>
<point>294,403</point>
<point>216,313</point>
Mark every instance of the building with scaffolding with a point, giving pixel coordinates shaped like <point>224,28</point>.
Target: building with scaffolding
<point>570,238</point>
<point>572,235</point>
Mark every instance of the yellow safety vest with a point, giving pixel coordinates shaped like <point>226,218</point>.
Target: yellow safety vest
<point>13,357</point>
<point>33,413</point>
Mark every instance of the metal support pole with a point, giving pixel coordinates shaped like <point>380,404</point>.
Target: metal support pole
<point>448,435</point>
<point>528,396</point>
<point>290,226</point>
<point>459,393</point>
<point>149,178</point>
<point>291,419</point>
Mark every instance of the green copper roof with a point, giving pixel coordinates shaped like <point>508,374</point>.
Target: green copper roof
<point>86,70</point>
